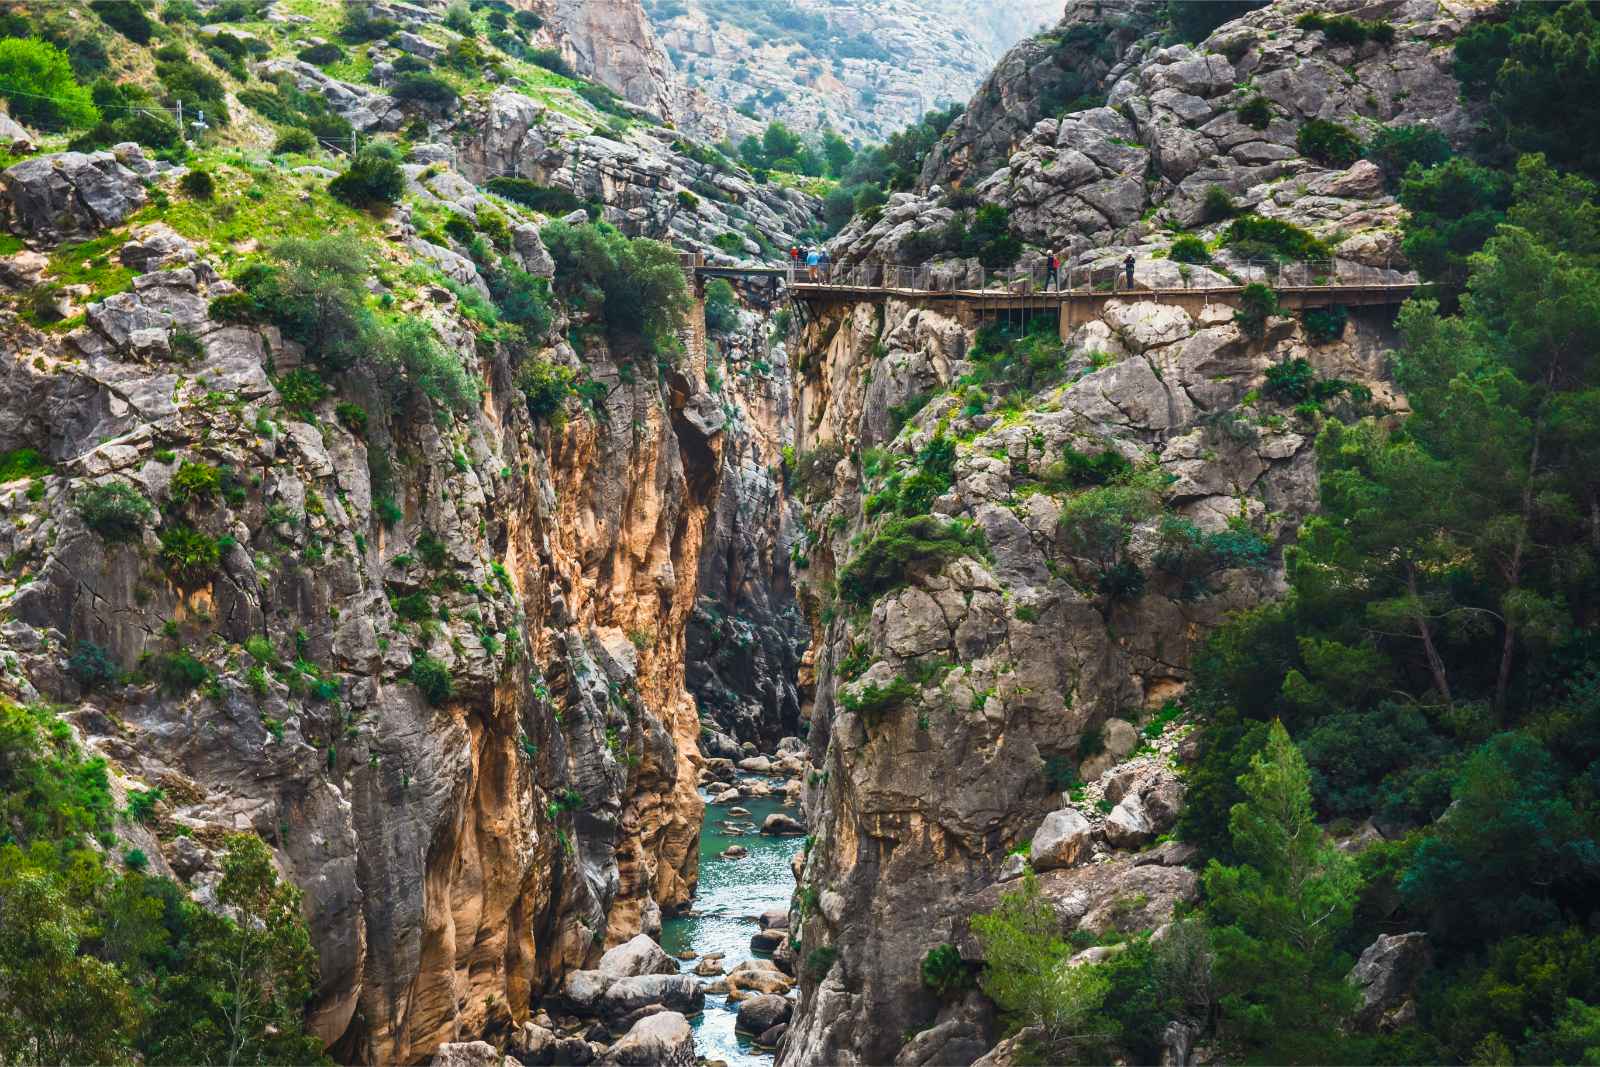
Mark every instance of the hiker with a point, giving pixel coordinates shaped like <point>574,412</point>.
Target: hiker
<point>823,263</point>
<point>794,262</point>
<point>1127,265</point>
<point>1052,272</point>
<point>811,263</point>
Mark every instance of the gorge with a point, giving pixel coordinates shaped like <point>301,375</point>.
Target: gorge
<point>470,597</point>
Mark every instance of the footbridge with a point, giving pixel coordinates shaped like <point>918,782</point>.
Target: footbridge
<point>1078,293</point>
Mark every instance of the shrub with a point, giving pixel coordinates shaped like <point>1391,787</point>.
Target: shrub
<point>1080,470</point>
<point>550,59</point>
<point>1193,20</point>
<point>179,672</point>
<point>1256,112</point>
<point>635,286</point>
<point>1189,249</point>
<point>22,463</point>
<point>360,24</point>
<point>944,972</point>
<point>352,417</point>
<point>423,89</point>
<point>1346,29</point>
<point>545,387</point>
<point>127,17</point>
<point>142,803</point>
<point>1325,324</point>
<point>195,483</point>
<point>115,510</point>
<point>874,699</point>
<point>1252,235</point>
<point>1257,303</point>
<point>431,370</point>
<point>373,179</point>
<point>722,306</point>
<point>1395,148</point>
<point>322,54</point>
<point>191,556</point>
<point>1328,143</point>
<point>301,390</point>
<point>432,679</point>
<point>92,666</point>
<point>1217,205</point>
<point>37,83</point>
<point>549,200</point>
<point>819,961</point>
<point>903,544</point>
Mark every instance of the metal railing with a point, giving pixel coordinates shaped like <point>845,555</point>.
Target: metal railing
<point>1107,276</point>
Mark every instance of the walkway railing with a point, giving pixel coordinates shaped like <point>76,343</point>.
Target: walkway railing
<point>1103,277</point>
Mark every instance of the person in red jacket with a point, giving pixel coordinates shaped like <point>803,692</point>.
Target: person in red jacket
<point>1052,272</point>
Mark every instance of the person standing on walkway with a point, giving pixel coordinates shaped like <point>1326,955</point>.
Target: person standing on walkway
<point>823,263</point>
<point>1052,272</point>
<point>794,263</point>
<point>1127,265</point>
<point>811,263</point>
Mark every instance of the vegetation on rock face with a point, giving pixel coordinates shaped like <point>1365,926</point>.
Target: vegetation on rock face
<point>901,546</point>
<point>105,966</point>
<point>633,287</point>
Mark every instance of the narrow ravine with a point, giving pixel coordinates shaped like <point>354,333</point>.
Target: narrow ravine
<point>731,896</point>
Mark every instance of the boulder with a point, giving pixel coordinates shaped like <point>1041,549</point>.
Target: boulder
<point>758,976</point>
<point>1128,826</point>
<point>1387,975</point>
<point>582,990</point>
<point>535,1044</point>
<point>663,1039</point>
<point>774,919</point>
<point>675,992</point>
<point>779,824</point>
<point>770,1038</point>
<point>471,1054</point>
<point>13,137</point>
<point>759,1014</point>
<point>767,940</point>
<point>639,956</point>
<point>734,852</point>
<point>68,193</point>
<point>1062,840</point>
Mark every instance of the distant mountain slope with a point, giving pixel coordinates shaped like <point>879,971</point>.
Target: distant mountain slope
<point>864,67</point>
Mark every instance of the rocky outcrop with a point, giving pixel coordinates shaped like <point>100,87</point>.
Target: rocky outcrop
<point>659,1040</point>
<point>644,181</point>
<point>457,856</point>
<point>73,193</point>
<point>1387,975</point>
<point>612,42</point>
<point>1035,78</point>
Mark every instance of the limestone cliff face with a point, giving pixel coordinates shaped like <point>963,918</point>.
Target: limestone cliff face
<point>457,857</point>
<point>747,636</point>
<point>1015,658</point>
<point>612,42</point>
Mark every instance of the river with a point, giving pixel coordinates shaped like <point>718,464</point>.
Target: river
<point>730,895</point>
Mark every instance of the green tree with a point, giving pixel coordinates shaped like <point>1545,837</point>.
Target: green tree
<point>1279,916</point>
<point>37,84</point>
<point>1453,209</point>
<point>244,985</point>
<point>1193,20</point>
<point>837,152</point>
<point>1026,974</point>
<point>1548,88</point>
<point>778,142</point>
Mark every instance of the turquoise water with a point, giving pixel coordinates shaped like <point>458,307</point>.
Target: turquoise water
<point>730,895</point>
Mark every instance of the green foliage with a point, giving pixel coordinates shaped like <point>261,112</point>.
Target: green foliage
<point>1547,89</point>
<point>944,972</point>
<point>93,667</point>
<point>190,556</point>
<point>1255,236</point>
<point>634,286</point>
<point>819,961</point>
<point>127,17</point>
<point>22,463</point>
<point>1189,249</point>
<point>812,472</point>
<point>873,699</point>
<point>1256,112</point>
<point>722,306</point>
<point>295,141</point>
<point>115,510</point>
<point>1194,558</point>
<point>1325,324</point>
<point>179,672</point>
<point>422,88</point>
<point>1257,304</point>
<point>1025,974</point>
<point>1096,527</point>
<point>432,679</point>
<point>1345,29</point>
<point>198,184</point>
<point>1453,209</point>
<point>373,179</point>
<point>37,83</point>
<point>1395,149</point>
<point>1280,914</point>
<point>900,548</point>
<point>545,387</point>
<point>195,483</point>
<point>1328,143</point>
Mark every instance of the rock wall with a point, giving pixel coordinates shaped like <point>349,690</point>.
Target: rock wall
<point>1019,658</point>
<point>457,857</point>
<point>747,636</point>
<point>612,42</point>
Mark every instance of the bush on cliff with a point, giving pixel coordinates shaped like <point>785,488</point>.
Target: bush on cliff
<point>899,548</point>
<point>634,286</point>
